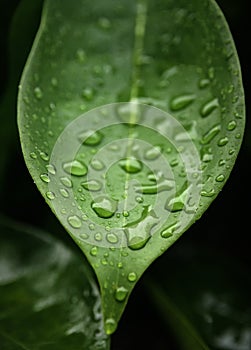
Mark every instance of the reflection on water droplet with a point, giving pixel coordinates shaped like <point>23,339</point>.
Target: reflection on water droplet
<point>132,277</point>
<point>45,178</point>
<point>75,167</point>
<point>231,125</point>
<point>50,195</point>
<point>210,134</point>
<point>91,185</point>
<point>131,165</point>
<point>121,293</point>
<point>169,231</point>
<point>223,141</point>
<point>209,107</point>
<point>97,164</point>
<point>66,182</point>
<point>38,93</point>
<point>110,326</point>
<point>74,221</point>
<point>51,169</point>
<point>112,238</point>
<point>181,102</point>
<point>220,178</point>
<point>90,137</point>
<point>104,206</point>
<point>153,153</point>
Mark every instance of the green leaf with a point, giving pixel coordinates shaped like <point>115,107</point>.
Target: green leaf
<point>48,297</point>
<point>209,299</point>
<point>131,116</point>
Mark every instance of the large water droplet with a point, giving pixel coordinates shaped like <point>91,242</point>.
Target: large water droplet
<point>110,326</point>
<point>90,137</point>
<point>104,206</point>
<point>74,221</point>
<point>181,102</point>
<point>121,293</point>
<point>75,167</point>
<point>210,134</point>
<point>131,165</point>
<point>91,185</point>
<point>209,107</point>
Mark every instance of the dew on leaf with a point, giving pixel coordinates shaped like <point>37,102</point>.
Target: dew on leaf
<point>64,192</point>
<point>181,102</point>
<point>121,293</point>
<point>209,107</point>
<point>220,178</point>
<point>45,178</point>
<point>33,155</point>
<point>97,164</point>
<point>75,167</point>
<point>210,134</point>
<point>153,153</point>
<point>132,277</point>
<point>112,238</point>
<point>50,195</point>
<point>110,326</point>
<point>91,185</point>
<point>38,93</point>
<point>90,137</point>
<point>74,221</point>
<point>66,182</point>
<point>94,251</point>
<point>231,125</point>
<point>223,141</point>
<point>131,165</point>
<point>51,169</point>
<point>104,206</point>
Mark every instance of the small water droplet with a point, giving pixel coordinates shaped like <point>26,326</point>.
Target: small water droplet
<point>129,113</point>
<point>75,167</point>
<point>220,178</point>
<point>126,213</point>
<point>51,169</point>
<point>94,251</point>
<point>203,83</point>
<point>132,277</point>
<point>91,185</point>
<point>110,326</point>
<point>208,193</point>
<point>44,156</point>
<point>50,195</point>
<point>54,82</point>
<point>74,221</point>
<point>169,231</point>
<point>81,56</point>
<point>112,238</point>
<point>181,102</point>
<point>104,23</point>
<point>139,199</point>
<point>96,164</point>
<point>66,182</point>
<point>223,141</point>
<point>131,165</point>
<point>98,236</point>
<point>104,206</point>
<point>88,93</point>
<point>209,107</point>
<point>33,155</point>
<point>90,137</point>
<point>211,73</point>
<point>64,192</point>
<point>45,178</point>
<point>153,153</point>
<point>210,134</point>
<point>38,93</point>
<point>121,293</point>
<point>231,125</point>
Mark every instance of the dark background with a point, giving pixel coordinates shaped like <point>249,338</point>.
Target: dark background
<point>223,230</point>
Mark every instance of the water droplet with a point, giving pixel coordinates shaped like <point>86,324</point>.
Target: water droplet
<point>181,102</point>
<point>177,203</point>
<point>203,83</point>
<point>74,221</point>
<point>112,238</point>
<point>210,134</point>
<point>45,178</point>
<point>75,167</point>
<point>38,93</point>
<point>64,192</point>
<point>129,113</point>
<point>90,137</point>
<point>211,73</point>
<point>139,199</point>
<point>153,153</point>
<point>104,23</point>
<point>231,125</point>
<point>169,231</point>
<point>220,178</point>
<point>91,185</point>
<point>132,277</point>
<point>110,326</point>
<point>162,185</point>
<point>104,206</point>
<point>209,193</point>
<point>44,156</point>
<point>54,82</point>
<point>131,165</point>
<point>94,251</point>
<point>97,164</point>
<point>209,107</point>
<point>88,93</point>
<point>98,236</point>
<point>121,293</point>
<point>126,213</point>
<point>223,141</point>
<point>51,169</point>
<point>33,155</point>
<point>81,56</point>
<point>50,195</point>
<point>66,182</point>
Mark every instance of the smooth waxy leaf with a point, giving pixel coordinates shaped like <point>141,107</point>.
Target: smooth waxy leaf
<point>131,116</point>
<point>48,298</point>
